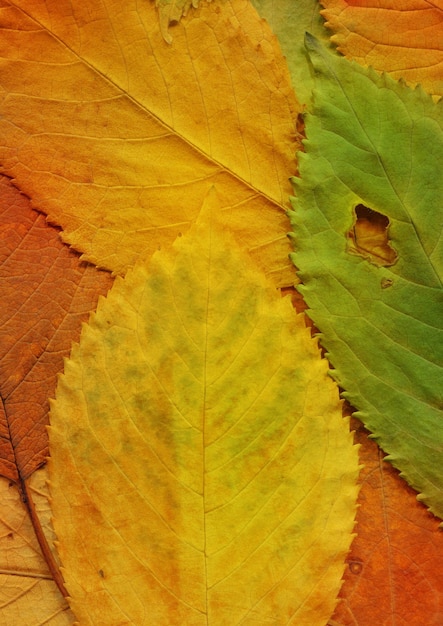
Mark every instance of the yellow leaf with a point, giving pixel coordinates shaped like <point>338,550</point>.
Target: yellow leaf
<point>118,136</point>
<point>201,470</point>
<point>28,595</point>
<point>172,11</point>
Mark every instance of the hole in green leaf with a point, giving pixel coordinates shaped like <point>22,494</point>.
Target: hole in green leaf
<point>369,237</point>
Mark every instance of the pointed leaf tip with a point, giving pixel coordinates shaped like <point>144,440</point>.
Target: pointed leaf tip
<point>311,42</point>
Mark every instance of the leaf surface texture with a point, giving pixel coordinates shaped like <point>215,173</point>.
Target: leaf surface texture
<point>45,293</point>
<point>28,595</point>
<point>118,136</point>
<point>290,20</point>
<point>377,143</point>
<point>403,38</point>
<point>194,444</point>
<point>393,574</point>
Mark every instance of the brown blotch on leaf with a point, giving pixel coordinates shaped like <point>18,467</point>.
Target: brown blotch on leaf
<point>355,567</point>
<point>369,237</point>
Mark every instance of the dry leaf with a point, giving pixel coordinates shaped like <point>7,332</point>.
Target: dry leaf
<point>402,38</point>
<point>46,293</point>
<point>194,444</point>
<point>28,595</point>
<point>118,136</point>
<point>394,571</point>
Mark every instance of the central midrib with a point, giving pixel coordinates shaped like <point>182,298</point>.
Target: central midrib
<point>152,115</point>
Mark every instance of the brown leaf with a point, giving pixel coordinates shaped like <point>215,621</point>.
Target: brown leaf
<point>46,293</point>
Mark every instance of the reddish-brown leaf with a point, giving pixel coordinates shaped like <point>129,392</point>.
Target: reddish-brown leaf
<point>394,575</point>
<point>46,292</point>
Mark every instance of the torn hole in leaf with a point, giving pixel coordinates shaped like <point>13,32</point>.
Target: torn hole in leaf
<point>369,237</point>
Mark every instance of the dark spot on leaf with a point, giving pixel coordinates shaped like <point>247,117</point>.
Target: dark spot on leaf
<point>386,282</point>
<point>10,535</point>
<point>300,124</point>
<point>101,573</point>
<point>369,237</point>
<point>355,567</point>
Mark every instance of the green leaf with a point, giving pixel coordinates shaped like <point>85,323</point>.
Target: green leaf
<point>194,445</point>
<point>375,143</point>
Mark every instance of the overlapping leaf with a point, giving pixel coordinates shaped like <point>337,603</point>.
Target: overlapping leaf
<point>290,21</point>
<point>46,293</point>
<point>393,573</point>
<point>194,442</point>
<point>118,136</point>
<point>376,143</point>
<point>28,595</point>
<point>402,38</point>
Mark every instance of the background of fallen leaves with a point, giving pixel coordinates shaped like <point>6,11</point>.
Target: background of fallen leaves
<point>394,572</point>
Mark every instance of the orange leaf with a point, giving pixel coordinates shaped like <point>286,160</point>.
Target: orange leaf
<point>394,571</point>
<point>404,38</point>
<point>118,136</point>
<point>46,293</point>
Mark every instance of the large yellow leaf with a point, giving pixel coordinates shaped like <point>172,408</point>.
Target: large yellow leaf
<point>201,470</point>
<point>118,136</point>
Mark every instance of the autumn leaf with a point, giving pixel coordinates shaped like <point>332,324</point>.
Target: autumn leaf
<point>290,21</point>
<point>40,316</point>
<point>393,573</point>
<point>375,143</point>
<point>46,293</point>
<point>171,11</point>
<point>118,136</point>
<point>194,443</point>
<point>402,38</point>
<point>28,595</point>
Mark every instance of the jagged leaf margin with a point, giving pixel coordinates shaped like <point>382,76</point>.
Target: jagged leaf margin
<point>376,142</point>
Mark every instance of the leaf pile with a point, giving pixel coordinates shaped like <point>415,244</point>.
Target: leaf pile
<point>201,471</point>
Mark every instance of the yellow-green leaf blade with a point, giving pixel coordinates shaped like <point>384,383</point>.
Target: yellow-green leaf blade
<point>194,444</point>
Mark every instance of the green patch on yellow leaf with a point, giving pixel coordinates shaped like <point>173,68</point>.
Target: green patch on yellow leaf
<point>374,153</point>
<point>201,471</point>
